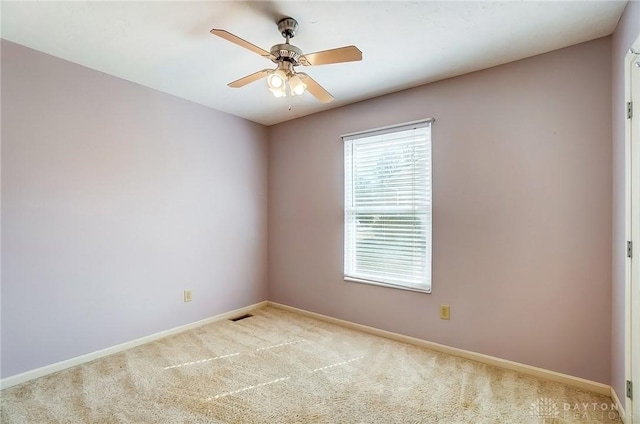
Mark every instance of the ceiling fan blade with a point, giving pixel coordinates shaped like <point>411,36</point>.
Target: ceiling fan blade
<point>239,41</point>
<point>249,78</point>
<point>315,89</point>
<point>325,57</point>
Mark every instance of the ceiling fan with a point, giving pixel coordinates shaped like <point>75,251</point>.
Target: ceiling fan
<point>287,56</point>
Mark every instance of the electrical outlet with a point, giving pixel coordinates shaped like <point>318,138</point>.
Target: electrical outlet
<point>187,295</point>
<point>445,312</point>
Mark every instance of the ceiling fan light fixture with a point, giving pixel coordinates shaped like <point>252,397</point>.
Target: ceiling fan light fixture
<point>277,79</point>
<point>279,92</point>
<point>296,86</point>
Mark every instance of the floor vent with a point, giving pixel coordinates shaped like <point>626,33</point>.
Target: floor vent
<point>245,316</point>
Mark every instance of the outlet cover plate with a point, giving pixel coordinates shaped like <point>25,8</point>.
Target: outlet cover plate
<point>445,312</point>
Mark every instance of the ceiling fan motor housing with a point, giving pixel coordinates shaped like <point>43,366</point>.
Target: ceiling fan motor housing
<point>286,53</point>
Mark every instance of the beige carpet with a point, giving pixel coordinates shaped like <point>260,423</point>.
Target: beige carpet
<point>278,367</point>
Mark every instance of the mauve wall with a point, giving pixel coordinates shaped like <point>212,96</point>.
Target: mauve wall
<point>116,198</point>
<point>522,212</point>
<point>627,31</point>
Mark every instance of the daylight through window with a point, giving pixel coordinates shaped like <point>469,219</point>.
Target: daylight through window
<point>388,206</point>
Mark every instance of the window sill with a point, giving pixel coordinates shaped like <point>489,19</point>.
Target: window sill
<point>391,286</point>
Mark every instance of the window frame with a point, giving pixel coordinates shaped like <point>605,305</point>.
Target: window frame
<point>348,172</point>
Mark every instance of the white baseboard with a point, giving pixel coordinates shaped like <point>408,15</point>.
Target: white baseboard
<point>486,359</point>
<point>59,366</point>
<point>616,401</point>
<point>569,380</point>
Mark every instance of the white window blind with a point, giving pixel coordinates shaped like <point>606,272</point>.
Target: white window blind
<point>388,206</point>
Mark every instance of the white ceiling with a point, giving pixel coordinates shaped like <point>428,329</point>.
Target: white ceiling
<point>167,45</point>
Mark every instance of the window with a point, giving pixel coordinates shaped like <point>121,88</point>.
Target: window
<point>387,217</point>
